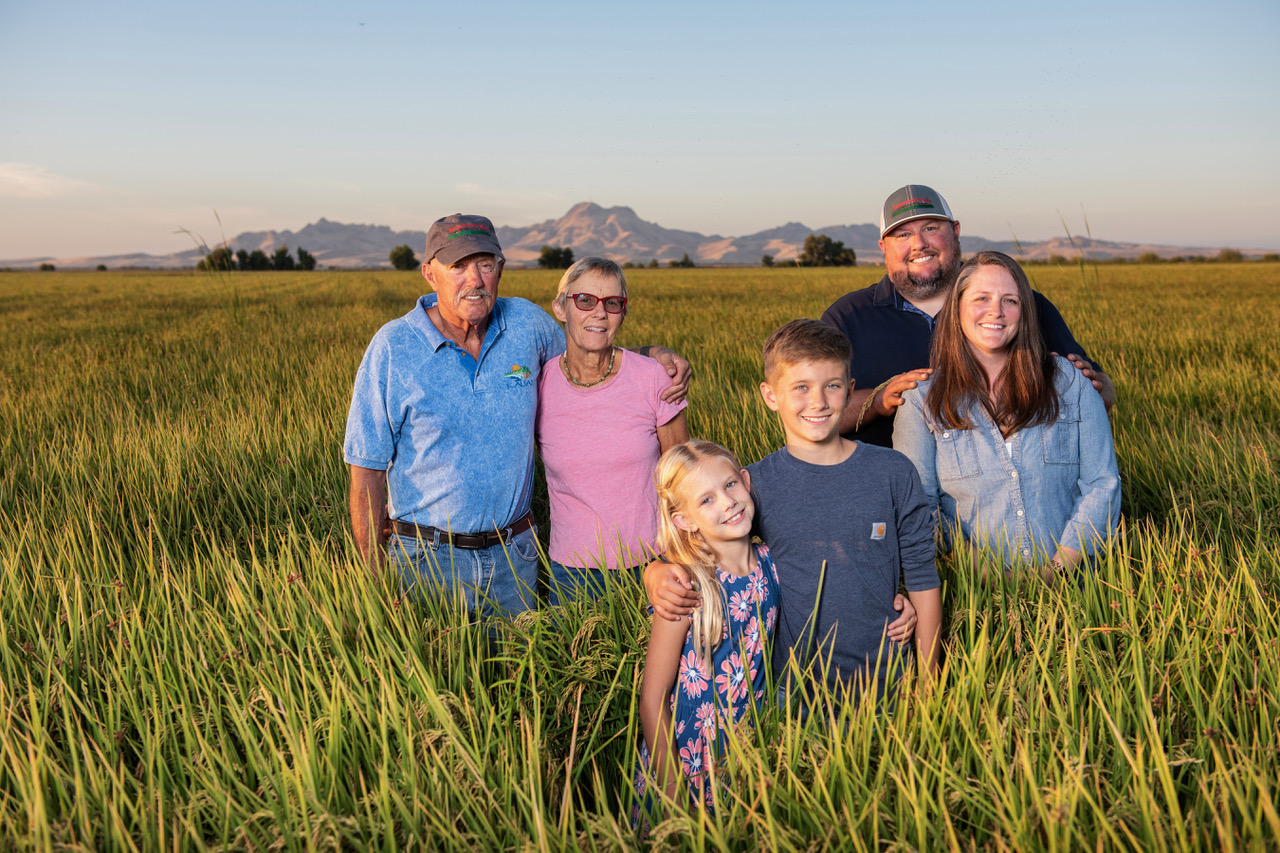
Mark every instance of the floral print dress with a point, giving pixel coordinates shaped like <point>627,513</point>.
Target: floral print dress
<point>706,702</point>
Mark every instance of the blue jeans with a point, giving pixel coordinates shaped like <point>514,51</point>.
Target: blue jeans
<point>499,579</point>
<point>570,582</point>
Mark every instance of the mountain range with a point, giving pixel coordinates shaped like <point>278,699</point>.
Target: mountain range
<point>614,232</point>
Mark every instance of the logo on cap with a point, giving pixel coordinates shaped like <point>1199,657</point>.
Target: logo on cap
<point>469,229</point>
<point>910,205</point>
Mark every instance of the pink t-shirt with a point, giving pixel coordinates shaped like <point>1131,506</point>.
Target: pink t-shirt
<point>599,447</point>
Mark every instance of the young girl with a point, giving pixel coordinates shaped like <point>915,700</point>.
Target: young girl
<point>701,674</point>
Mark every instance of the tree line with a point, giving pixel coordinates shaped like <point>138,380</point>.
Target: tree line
<point>222,258</point>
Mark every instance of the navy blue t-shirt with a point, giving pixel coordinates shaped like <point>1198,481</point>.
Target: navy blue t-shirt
<point>890,336</point>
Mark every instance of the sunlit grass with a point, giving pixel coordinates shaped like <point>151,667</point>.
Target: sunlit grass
<point>191,658</point>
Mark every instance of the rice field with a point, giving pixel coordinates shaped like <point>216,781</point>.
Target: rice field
<point>191,657</point>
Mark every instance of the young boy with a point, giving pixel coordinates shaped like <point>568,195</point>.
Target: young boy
<point>821,498</point>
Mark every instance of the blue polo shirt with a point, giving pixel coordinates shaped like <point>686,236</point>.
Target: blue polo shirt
<point>889,336</point>
<point>453,433</point>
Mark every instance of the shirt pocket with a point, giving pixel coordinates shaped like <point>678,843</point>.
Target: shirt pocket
<point>957,456</point>
<point>1061,439</point>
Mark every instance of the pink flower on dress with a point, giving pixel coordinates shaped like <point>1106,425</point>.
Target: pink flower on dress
<point>759,587</point>
<point>691,758</point>
<point>752,644</point>
<point>692,679</point>
<point>770,619</point>
<point>740,605</point>
<point>705,721</point>
<point>732,682</point>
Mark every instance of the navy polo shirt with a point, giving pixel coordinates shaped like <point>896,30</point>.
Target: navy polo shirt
<point>889,336</point>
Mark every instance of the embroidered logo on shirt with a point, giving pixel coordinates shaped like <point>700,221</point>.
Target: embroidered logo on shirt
<point>518,371</point>
<point>877,530</point>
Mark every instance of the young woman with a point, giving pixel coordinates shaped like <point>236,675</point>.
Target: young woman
<point>1010,440</point>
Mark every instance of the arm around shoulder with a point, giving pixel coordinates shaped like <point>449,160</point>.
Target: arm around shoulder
<point>1097,510</point>
<point>669,591</point>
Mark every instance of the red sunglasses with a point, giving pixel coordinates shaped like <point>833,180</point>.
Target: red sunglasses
<point>587,301</point>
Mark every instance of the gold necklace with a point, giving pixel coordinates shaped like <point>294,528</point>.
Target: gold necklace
<point>564,362</point>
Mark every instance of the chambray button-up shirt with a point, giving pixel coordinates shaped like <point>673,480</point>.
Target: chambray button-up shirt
<point>1054,484</point>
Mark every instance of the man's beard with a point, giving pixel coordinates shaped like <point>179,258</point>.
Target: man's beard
<point>912,286</point>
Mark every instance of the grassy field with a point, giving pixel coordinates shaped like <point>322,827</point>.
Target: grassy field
<point>189,657</point>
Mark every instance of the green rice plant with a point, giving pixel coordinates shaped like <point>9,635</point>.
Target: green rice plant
<point>191,656</point>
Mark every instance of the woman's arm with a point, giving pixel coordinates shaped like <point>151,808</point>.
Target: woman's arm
<point>673,432</point>
<point>912,438</point>
<point>1097,510</point>
<point>661,666</point>
<point>928,604</point>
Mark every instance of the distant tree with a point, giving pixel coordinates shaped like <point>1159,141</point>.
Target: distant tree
<point>242,259</point>
<point>1177,259</point>
<point>306,260</point>
<point>653,263</point>
<point>1197,259</point>
<point>821,251</point>
<point>403,258</point>
<point>47,268</point>
<point>628,265</point>
<point>282,260</point>
<point>1056,260</point>
<point>217,259</point>
<point>1270,257</point>
<point>258,260</point>
<point>555,258</point>
<point>1148,258</point>
<point>683,263</point>
<point>1230,256</point>
<point>766,260</point>
<point>101,267</point>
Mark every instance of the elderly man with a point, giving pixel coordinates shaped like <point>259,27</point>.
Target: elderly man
<point>440,431</point>
<point>890,324</point>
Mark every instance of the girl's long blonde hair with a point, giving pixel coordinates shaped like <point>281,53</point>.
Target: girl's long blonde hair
<point>687,548</point>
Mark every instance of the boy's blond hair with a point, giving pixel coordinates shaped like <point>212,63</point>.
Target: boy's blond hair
<point>804,340</point>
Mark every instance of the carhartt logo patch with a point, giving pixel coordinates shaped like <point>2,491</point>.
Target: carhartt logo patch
<point>517,371</point>
<point>877,530</point>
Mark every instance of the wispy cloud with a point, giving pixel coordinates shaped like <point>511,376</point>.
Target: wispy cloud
<point>23,180</point>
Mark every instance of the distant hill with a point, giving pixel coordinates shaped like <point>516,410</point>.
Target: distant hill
<point>614,232</point>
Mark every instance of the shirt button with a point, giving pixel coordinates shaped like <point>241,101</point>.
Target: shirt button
<point>946,435</point>
<point>1015,473</point>
<point>1027,551</point>
<point>1019,513</point>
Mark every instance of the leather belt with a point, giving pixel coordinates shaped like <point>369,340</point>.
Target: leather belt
<point>468,541</point>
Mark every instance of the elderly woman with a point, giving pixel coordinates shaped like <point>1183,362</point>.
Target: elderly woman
<point>601,427</point>
<point>1010,440</point>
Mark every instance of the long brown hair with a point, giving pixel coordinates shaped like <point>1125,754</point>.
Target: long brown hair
<point>688,548</point>
<point>1026,396</point>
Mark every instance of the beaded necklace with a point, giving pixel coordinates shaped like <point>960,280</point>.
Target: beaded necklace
<point>564,362</point>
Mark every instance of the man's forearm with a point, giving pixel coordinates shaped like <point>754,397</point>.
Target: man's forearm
<point>857,401</point>
<point>368,506</point>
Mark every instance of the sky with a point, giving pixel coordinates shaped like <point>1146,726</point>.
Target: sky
<point>122,124</point>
